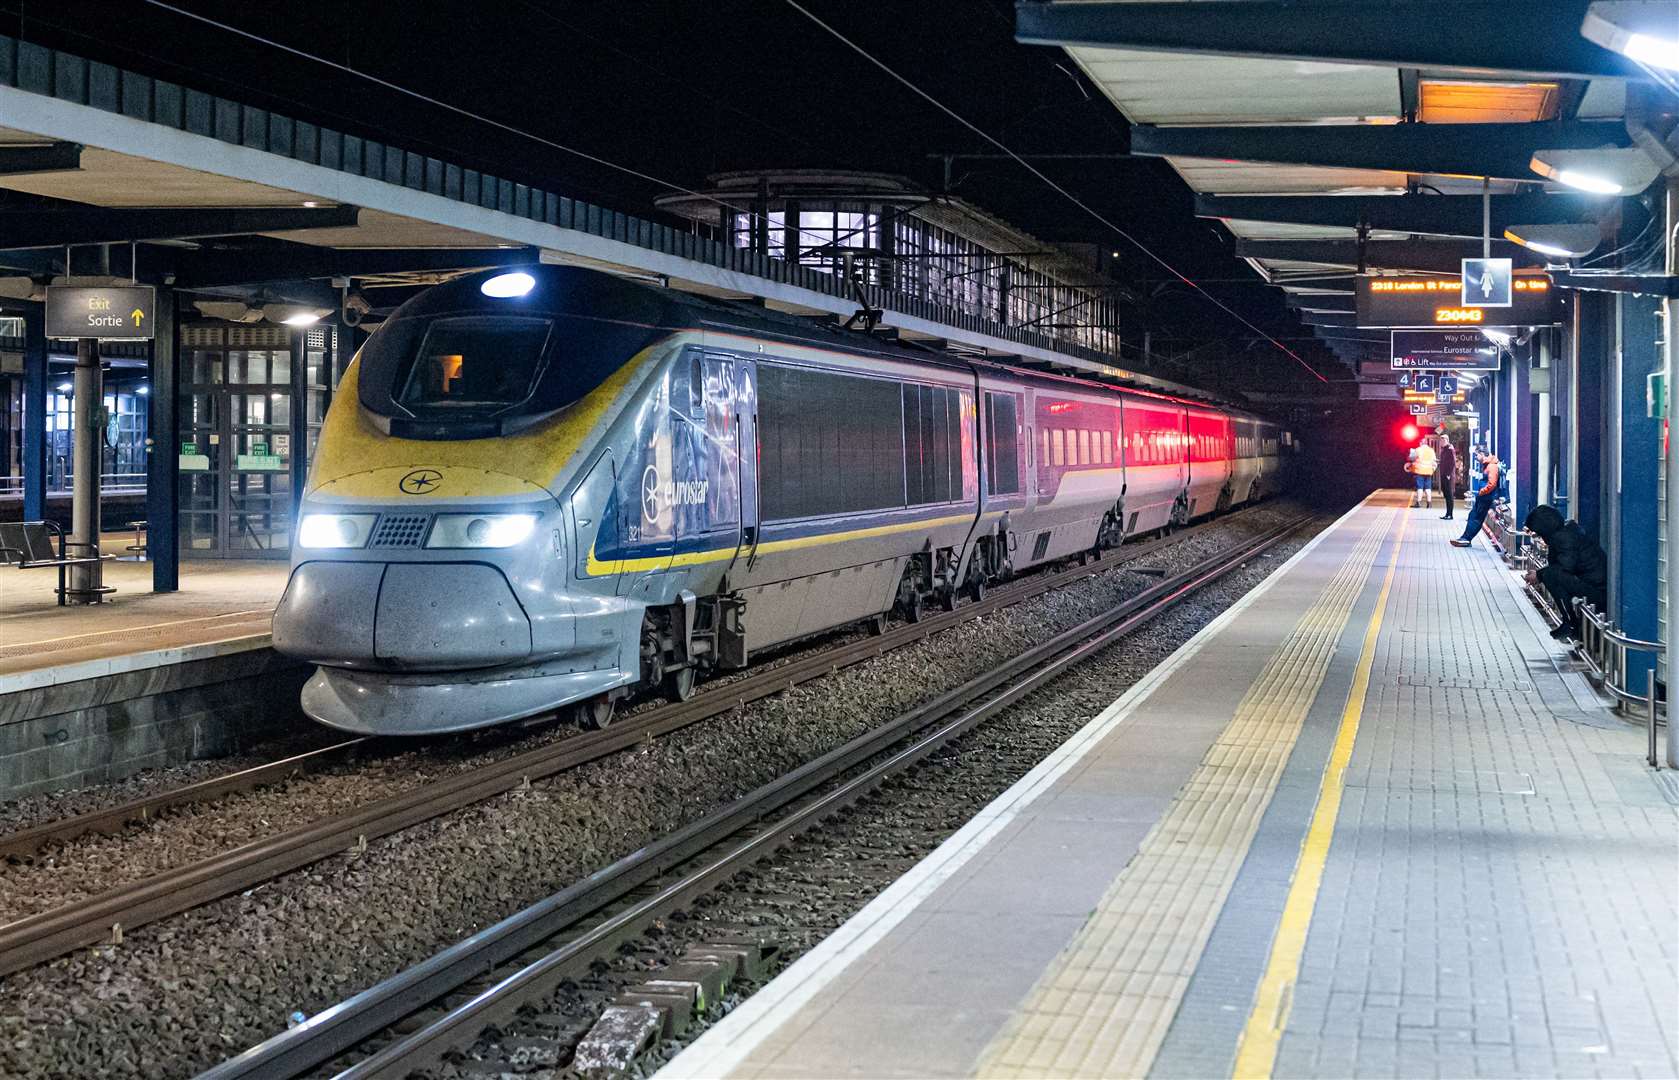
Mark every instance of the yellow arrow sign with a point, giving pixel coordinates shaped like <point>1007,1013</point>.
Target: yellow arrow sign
<point>137,315</point>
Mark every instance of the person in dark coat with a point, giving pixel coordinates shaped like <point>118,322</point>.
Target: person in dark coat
<point>1577,566</point>
<point>1445,474</point>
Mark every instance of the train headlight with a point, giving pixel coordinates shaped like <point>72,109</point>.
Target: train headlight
<point>335,530</point>
<point>480,530</point>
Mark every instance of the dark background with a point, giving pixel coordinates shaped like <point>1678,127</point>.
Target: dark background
<point>678,89</point>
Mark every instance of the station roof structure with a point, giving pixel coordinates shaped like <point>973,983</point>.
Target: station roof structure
<point>1332,137</point>
<point>229,199</point>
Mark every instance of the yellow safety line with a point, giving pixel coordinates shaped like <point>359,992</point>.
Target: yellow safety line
<point>1256,1054</point>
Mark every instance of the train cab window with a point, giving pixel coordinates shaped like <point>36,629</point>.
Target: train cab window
<point>474,364</point>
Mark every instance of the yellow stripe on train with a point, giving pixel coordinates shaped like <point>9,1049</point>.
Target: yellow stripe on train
<point>598,568</point>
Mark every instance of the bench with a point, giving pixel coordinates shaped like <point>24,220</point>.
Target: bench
<point>28,545</point>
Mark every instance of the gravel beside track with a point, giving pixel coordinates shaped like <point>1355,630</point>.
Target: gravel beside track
<point>813,886</point>
<point>182,994</point>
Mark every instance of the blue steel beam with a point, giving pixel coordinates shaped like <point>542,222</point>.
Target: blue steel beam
<point>1426,215</point>
<point>294,262</point>
<point>1633,592</point>
<point>34,228</point>
<point>34,412</point>
<point>1501,151</point>
<point>40,158</point>
<point>163,447</point>
<point>1483,36</point>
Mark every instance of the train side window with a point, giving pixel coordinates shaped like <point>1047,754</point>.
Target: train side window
<point>1058,447</point>
<point>828,443</point>
<point>1002,445</point>
<point>1084,446</point>
<point>696,389</point>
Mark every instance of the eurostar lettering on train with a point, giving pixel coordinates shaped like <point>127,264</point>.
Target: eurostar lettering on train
<point>549,489</point>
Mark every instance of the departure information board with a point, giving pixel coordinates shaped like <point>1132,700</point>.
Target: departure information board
<point>1438,301</point>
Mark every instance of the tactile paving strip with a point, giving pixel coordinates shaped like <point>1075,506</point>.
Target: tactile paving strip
<point>1104,1005</point>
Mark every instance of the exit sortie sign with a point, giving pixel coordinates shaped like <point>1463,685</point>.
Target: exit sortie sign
<point>120,312</point>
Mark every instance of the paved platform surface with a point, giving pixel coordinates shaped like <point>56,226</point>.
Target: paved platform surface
<point>219,602</point>
<point>1359,826</point>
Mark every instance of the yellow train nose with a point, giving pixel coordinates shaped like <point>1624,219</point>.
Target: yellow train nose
<point>421,480</point>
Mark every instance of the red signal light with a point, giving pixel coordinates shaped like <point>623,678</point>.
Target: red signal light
<point>1408,433</point>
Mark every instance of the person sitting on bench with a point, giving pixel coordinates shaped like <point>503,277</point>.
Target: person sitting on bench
<point>1576,566</point>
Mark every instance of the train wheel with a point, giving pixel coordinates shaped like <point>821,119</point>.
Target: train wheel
<point>877,624</point>
<point>976,590</point>
<point>594,713</point>
<point>912,608</point>
<point>947,598</point>
<point>679,684</point>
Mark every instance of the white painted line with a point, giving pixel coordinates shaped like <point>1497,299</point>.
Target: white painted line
<point>732,1040</point>
<point>137,629</point>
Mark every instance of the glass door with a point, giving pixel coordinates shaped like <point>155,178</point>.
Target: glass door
<point>236,437</point>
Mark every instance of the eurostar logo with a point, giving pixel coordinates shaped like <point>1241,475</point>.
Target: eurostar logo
<point>420,481</point>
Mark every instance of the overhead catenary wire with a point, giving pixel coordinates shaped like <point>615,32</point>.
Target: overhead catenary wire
<point>446,106</point>
<point>1063,192</point>
<point>651,178</point>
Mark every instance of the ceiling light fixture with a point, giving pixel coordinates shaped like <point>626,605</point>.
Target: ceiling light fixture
<point>1562,241</point>
<point>1642,30</point>
<point>1606,171</point>
<point>298,315</point>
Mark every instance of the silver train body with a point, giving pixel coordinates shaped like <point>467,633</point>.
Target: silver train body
<point>551,489</point>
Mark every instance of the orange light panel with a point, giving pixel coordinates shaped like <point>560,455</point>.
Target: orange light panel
<point>1442,101</point>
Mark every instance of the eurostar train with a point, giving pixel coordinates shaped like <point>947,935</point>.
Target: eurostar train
<point>551,488</point>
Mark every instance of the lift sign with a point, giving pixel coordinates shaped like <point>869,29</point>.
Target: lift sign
<point>122,313</point>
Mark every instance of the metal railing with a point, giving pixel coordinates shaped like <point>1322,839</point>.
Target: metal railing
<point>110,483</point>
<point>1604,649</point>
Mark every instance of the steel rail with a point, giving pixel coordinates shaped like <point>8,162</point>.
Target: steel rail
<point>26,842</point>
<point>524,939</point>
<point>105,916</point>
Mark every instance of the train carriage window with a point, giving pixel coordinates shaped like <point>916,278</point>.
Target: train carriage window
<point>1107,447</point>
<point>1044,458</point>
<point>1002,447</point>
<point>1084,446</point>
<point>1058,447</point>
<point>828,443</point>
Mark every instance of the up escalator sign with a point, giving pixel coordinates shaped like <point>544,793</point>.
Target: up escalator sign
<point>119,312</point>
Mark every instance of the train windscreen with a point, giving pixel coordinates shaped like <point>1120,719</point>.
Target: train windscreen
<point>474,364</point>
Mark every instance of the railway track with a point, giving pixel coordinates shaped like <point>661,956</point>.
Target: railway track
<point>410,1020</point>
<point>106,916</point>
<point>113,819</point>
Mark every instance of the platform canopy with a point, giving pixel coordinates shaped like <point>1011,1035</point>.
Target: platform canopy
<point>222,197</point>
<point>1308,126</point>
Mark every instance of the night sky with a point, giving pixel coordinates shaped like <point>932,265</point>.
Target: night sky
<point>677,90</point>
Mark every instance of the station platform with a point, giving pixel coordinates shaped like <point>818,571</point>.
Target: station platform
<point>1360,825</point>
<point>218,602</point>
<point>97,692</point>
